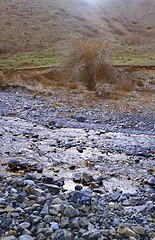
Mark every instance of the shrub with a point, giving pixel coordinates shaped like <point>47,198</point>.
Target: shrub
<point>89,63</point>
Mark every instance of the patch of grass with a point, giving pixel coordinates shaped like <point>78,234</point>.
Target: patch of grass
<point>129,56</point>
<point>25,60</point>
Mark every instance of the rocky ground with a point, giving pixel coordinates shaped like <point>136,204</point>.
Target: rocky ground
<point>71,173</point>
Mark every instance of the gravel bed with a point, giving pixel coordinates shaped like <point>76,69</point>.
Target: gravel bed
<point>69,174</point>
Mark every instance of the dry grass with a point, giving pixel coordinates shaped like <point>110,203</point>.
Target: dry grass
<point>89,64</point>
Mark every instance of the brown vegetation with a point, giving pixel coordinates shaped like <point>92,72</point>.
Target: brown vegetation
<point>89,64</point>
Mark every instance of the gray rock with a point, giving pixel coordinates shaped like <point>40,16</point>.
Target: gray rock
<point>35,219</point>
<point>6,223</point>
<point>79,149</point>
<point>91,235</point>
<point>83,222</point>
<point>65,223</point>
<point>24,225</point>
<point>59,124</point>
<point>29,183</point>
<point>41,236</point>
<point>30,176</point>
<point>116,222</point>
<point>39,168</point>
<point>38,192</point>
<point>23,163</point>
<point>81,197</point>
<point>47,219</point>
<point>44,211</point>
<point>69,236</point>
<point>2,201</point>
<point>21,197</point>
<point>53,188</point>
<point>115,196</point>
<point>59,235</point>
<point>86,177</point>
<point>49,179</point>
<point>77,177</point>
<point>71,212</point>
<point>54,225</point>
<point>139,230</point>
<point>74,224</point>
<point>151,181</point>
<point>25,237</point>
<point>48,231</point>
<point>13,190</point>
<point>26,232</point>
<point>13,163</point>
<point>15,214</point>
<point>98,179</point>
<point>80,118</point>
<point>126,202</point>
<point>41,200</point>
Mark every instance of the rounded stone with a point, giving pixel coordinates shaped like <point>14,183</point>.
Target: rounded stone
<point>26,237</point>
<point>24,225</point>
<point>29,183</point>
<point>23,163</point>
<point>151,181</point>
<point>77,177</point>
<point>98,179</point>
<point>139,230</point>
<point>80,118</point>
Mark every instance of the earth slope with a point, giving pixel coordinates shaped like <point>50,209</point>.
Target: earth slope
<point>31,25</point>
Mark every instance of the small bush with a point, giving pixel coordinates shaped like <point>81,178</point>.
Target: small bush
<point>89,63</point>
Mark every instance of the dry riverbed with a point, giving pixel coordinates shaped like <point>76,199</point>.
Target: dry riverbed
<point>69,173</point>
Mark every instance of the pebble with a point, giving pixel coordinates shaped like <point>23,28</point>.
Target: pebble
<point>26,237</point>
<point>115,196</point>
<point>24,225</point>
<point>151,181</point>
<point>139,230</point>
<point>98,179</point>
<point>59,124</point>
<point>80,118</point>
<point>54,189</point>
<point>29,183</point>
<point>77,177</point>
<point>86,177</point>
<point>48,179</point>
<point>71,212</point>
<point>13,163</point>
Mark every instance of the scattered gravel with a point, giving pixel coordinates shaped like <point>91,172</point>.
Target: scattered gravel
<point>70,178</point>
